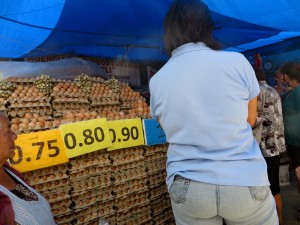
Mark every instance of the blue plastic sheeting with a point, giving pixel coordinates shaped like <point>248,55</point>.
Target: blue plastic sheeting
<point>269,45</point>
<point>20,23</point>
<point>131,28</point>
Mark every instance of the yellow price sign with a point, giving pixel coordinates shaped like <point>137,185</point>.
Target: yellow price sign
<point>126,133</point>
<point>38,150</point>
<point>85,137</point>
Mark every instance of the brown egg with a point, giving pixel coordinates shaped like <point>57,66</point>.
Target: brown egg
<point>31,125</point>
<point>41,119</point>
<point>15,127</point>
<point>15,120</point>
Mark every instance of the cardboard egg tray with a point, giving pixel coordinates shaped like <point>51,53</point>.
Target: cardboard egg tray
<point>57,95</point>
<point>129,187</point>
<point>154,149</point>
<point>99,98</point>
<point>58,169</point>
<point>106,107</point>
<point>140,218</point>
<point>129,174</point>
<point>58,204</point>
<point>61,211</point>
<point>66,105</point>
<point>82,201</point>
<point>20,112</point>
<point>93,212</point>
<point>158,191</point>
<point>98,159</point>
<point>156,156</point>
<point>127,164</point>
<point>125,159</point>
<point>91,183</point>
<point>57,195</point>
<point>156,166</point>
<point>133,200</point>
<point>28,105</point>
<point>130,155</point>
<point>42,179</point>
<point>163,217</point>
<point>62,183</point>
<point>30,99</point>
<point>64,219</point>
<point>133,212</point>
<point>112,219</point>
<point>156,179</point>
<point>160,204</point>
<point>89,172</point>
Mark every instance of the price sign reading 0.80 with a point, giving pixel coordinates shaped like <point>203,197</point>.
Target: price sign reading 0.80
<point>125,133</point>
<point>38,150</point>
<point>84,137</point>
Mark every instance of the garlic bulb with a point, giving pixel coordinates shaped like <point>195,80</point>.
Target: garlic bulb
<point>44,84</point>
<point>84,82</point>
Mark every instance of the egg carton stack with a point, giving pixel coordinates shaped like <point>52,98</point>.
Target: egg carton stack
<point>103,98</point>
<point>133,102</point>
<point>155,160</point>
<point>92,191</point>
<point>68,97</point>
<point>130,186</point>
<point>29,107</point>
<point>53,183</point>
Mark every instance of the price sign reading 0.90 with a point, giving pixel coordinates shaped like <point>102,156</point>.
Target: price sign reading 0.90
<point>84,137</point>
<point>125,133</point>
<point>38,150</point>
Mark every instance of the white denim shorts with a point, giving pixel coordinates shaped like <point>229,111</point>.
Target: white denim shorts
<point>196,203</point>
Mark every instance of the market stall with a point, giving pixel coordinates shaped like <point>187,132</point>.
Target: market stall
<point>90,147</point>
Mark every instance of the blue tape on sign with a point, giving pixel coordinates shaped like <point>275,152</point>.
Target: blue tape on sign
<point>153,132</point>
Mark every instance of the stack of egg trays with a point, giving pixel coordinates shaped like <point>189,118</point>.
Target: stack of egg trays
<point>155,160</point>
<point>63,102</point>
<point>129,182</point>
<point>21,105</point>
<point>136,215</point>
<point>53,183</point>
<point>90,177</point>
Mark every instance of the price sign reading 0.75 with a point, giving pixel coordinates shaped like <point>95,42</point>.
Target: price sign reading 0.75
<point>125,133</point>
<point>86,136</point>
<point>38,150</point>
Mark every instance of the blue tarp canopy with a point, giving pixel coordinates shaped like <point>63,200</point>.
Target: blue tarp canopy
<point>134,28</point>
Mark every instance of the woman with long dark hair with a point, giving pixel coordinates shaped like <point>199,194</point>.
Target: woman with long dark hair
<point>206,101</point>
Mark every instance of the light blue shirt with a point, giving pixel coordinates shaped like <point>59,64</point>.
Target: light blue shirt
<point>200,97</point>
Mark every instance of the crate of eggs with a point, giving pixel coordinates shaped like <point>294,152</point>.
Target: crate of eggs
<point>133,102</point>
<point>93,213</point>
<point>67,95</point>
<point>131,200</point>
<point>31,122</point>
<point>53,183</point>
<point>90,176</point>
<point>165,217</point>
<point>101,95</point>
<point>127,164</point>
<point>160,204</point>
<point>136,215</point>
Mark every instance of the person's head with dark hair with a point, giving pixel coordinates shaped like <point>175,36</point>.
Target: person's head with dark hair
<point>188,21</point>
<point>291,71</point>
<point>260,75</point>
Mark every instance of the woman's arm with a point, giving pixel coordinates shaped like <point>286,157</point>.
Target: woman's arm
<point>252,111</point>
